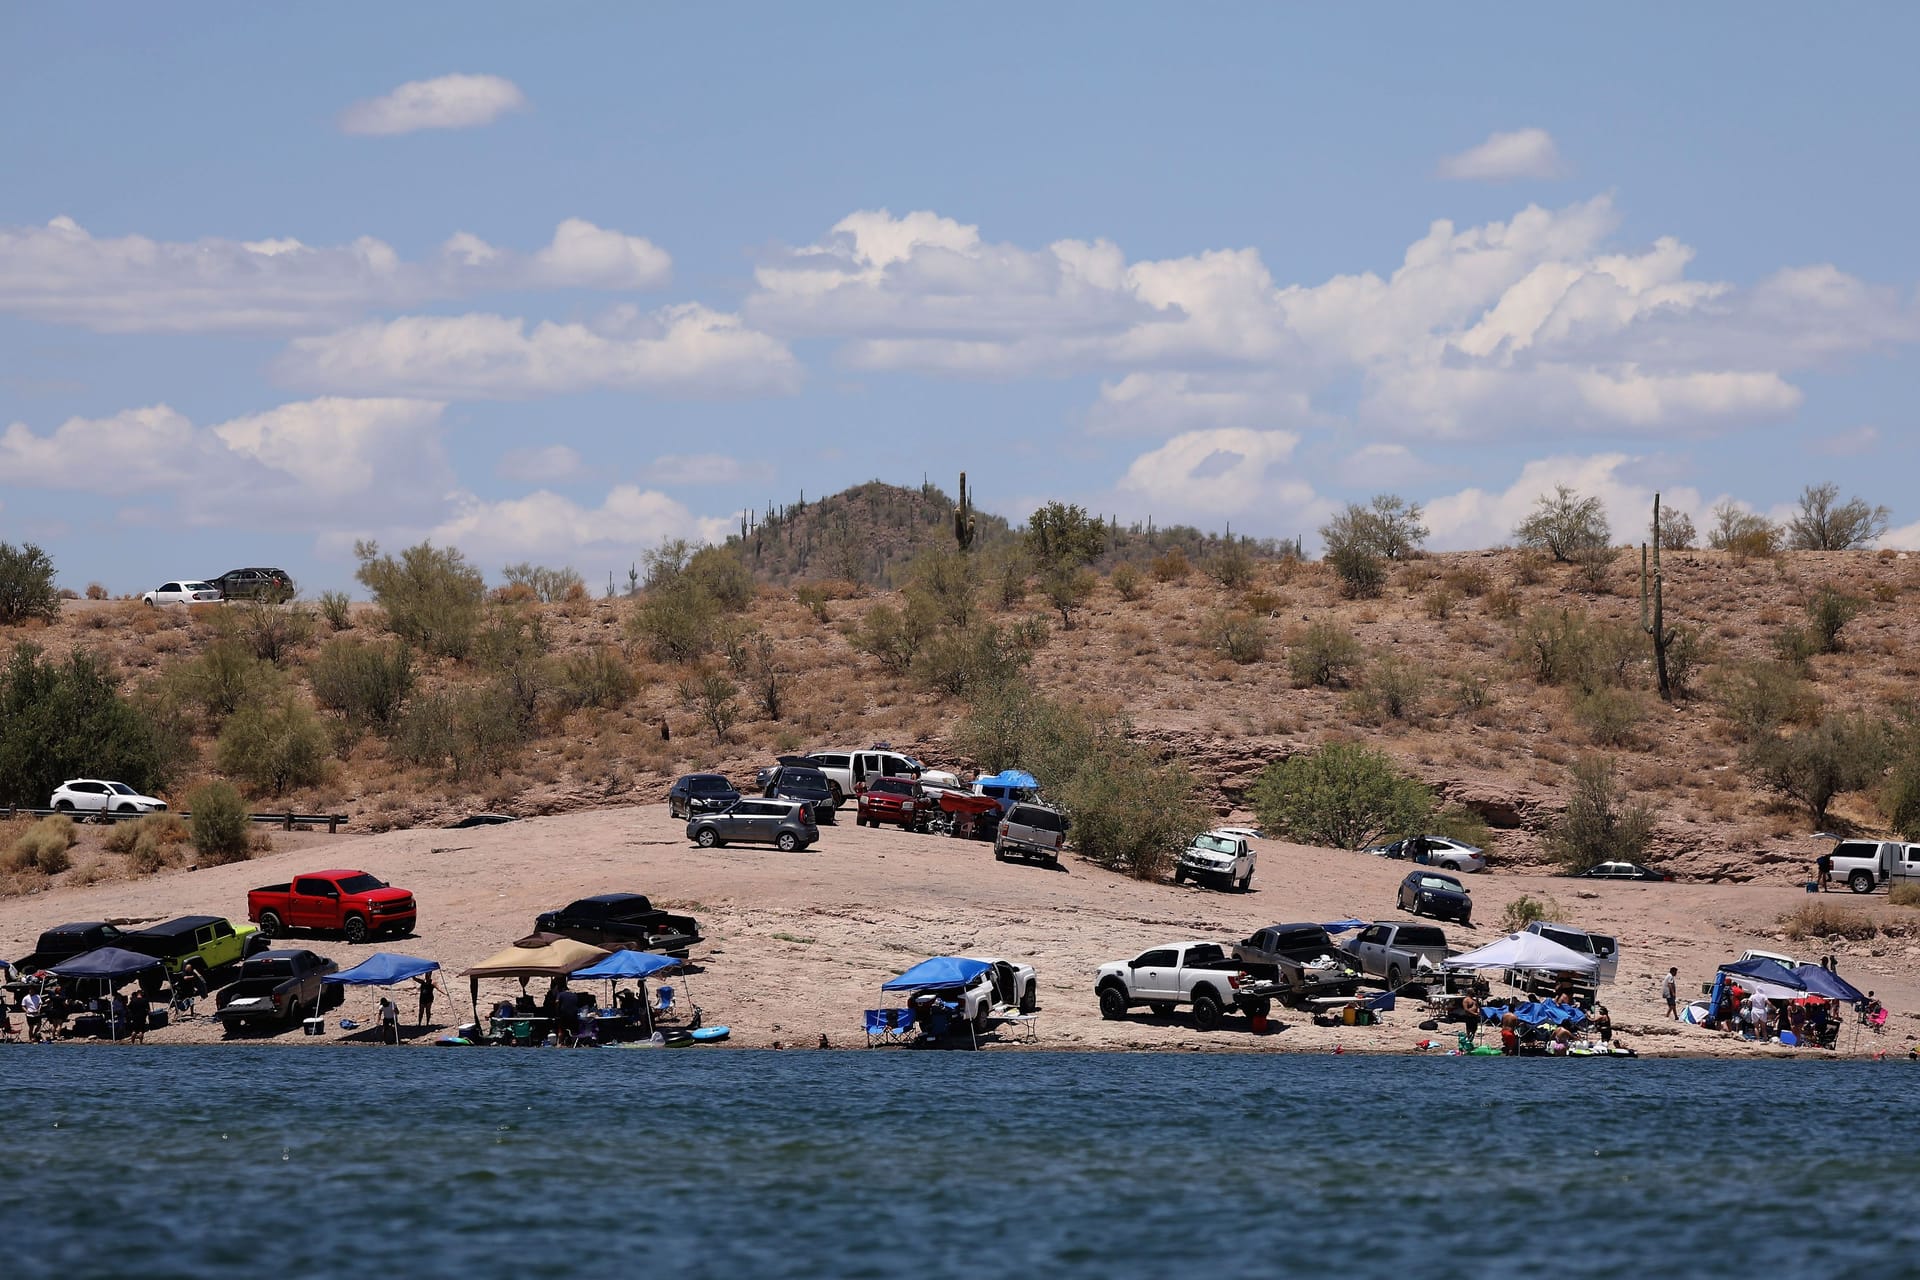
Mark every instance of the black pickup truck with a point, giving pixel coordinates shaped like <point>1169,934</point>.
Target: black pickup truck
<point>1310,963</point>
<point>278,986</point>
<point>67,941</point>
<point>621,920</point>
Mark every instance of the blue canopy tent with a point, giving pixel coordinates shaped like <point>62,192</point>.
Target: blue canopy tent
<point>1343,926</point>
<point>1825,982</point>
<point>113,968</point>
<point>1769,978</point>
<point>381,969</point>
<point>631,964</point>
<point>941,973</point>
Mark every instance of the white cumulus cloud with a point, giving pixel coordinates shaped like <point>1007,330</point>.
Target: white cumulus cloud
<point>547,525</point>
<point>1523,153</point>
<point>1624,483</point>
<point>1223,471</point>
<point>444,102</point>
<point>707,469</point>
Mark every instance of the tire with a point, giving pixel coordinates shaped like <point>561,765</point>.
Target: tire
<point>1053,859</point>
<point>999,854</point>
<point>1394,977</point>
<point>1113,1003</point>
<point>707,838</point>
<point>1245,880</point>
<point>1860,882</point>
<point>65,806</point>
<point>1179,876</point>
<point>839,796</point>
<point>271,925</point>
<point>787,842</point>
<point>1207,1009</point>
<point>124,808</point>
<point>1162,1008</point>
<point>1257,1008</point>
<point>355,929</point>
<point>1029,999</point>
<point>980,1019</point>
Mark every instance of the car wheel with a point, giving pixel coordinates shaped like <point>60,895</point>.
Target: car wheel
<point>124,808</point>
<point>1179,876</point>
<point>270,924</point>
<point>1161,1008</point>
<point>1029,1000</point>
<point>1259,1007</point>
<point>1113,1004</point>
<point>1207,1010</point>
<point>1394,976</point>
<point>1860,882</point>
<point>1246,880</point>
<point>64,806</point>
<point>706,838</point>
<point>356,929</point>
<point>999,854</point>
<point>787,842</point>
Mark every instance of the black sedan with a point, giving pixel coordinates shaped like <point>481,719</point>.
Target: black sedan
<point>700,793</point>
<point>802,782</point>
<point>1430,893</point>
<point>1622,871</point>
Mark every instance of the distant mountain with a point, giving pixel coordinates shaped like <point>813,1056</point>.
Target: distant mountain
<point>865,534</point>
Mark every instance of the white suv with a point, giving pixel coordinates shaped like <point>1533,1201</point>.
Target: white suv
<point>89,795</point>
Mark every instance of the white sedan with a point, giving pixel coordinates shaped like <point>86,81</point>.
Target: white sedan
<point>91,795</point>
<point>185,591</point>
<point>1435,851</point>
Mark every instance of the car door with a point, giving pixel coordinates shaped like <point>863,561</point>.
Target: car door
<point>1368,946</point>
<point>760,820</point>
<point>1156,975</point>
<point>1909,864</point>
<point>98,795</point>
<point>310,905</point>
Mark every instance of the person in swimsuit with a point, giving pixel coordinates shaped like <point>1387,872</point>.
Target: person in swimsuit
<point>424,986</point>
<point>1470,1014</point>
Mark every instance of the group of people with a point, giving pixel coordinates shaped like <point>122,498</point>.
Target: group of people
<point>424,988</point>
<point>45,1010</point>
<point>1752,1015</point>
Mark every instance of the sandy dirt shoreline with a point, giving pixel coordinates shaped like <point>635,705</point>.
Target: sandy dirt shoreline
<point>798,944</point>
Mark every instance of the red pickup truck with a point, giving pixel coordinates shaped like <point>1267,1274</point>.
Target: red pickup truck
<point>349,902</point>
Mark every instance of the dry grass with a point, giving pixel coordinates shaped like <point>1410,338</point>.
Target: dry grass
<point>1817,920</point>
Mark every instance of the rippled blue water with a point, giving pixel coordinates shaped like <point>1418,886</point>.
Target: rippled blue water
<point>212,1161</point>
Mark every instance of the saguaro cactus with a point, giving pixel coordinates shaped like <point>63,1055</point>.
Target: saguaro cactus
<point>963,517</point>
<point>1655,625</point>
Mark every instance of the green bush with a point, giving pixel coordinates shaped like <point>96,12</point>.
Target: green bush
<point>225,677</point>
<point>1526,909</point>
<point>1828,613</point>
<point>722,577</point>
<point>431,596</point>
<point>1127,580</point>
<point>1171,566</point>
<point>548,586</point>
<point>1610,716</point>
<point>1323,654</point>
<point>472,733</point>
<point>26,584</point>
<point>1394,688</point>
<point>1068,588</point>
<point>221,826</point>
<point>1231,567</point>
<point>1236,634</point>
<point>711,696</point>
<point>1841,753</point>
<point>150,842</point>
<point>1900,794</point>
<point>1565,647</point>
<point>274,747</point>
<point>337,608</point>
<point>271,630</point>
<point>1564,524</point>
<point>43,846</point>
<point>513,649</point>
<point>1343,795</point>
<point>1904,894</point>
<point>894,636</point>
<point>1457,822</point>
<point>945,586</point>
<point>961,662</point>
<point>368,684</point>
<point>61,720</point>
<point>1760,698</point>
<point>600,677</point>
<point>1600,824</point>
<point>676,622</point>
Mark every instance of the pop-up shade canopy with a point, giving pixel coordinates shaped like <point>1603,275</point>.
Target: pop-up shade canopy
<point>382,969</point>
<point>114,965</point>
<point>939,973</point>
<point>1825,982</point>
<point>1523,951</point>
<point>542,955</point>
<point>627,964</point>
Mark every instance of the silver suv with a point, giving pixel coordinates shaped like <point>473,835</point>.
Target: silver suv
<point>785,824</point>
<point>1031,830</point>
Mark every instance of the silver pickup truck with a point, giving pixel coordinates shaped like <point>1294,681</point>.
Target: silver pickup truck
<point>1398,953</point>
<point>1310,964</point>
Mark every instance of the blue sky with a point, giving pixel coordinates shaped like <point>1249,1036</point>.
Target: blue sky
<point>559,288</point>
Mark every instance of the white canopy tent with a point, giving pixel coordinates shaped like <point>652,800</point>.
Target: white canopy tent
<point>1523,951</point>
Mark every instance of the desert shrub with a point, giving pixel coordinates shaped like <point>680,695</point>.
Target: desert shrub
<point>1824,523</point>
<point>1067,588</point>
<point>1362,574</point>
<point>945,583</point>
<point>894,636</point>
<point>1563,524</point>
<point>473,732</point>
<point>1601,823</point>
<point>26,584</point>
<point>1610,716</point>
<point>599,677</point>
<point>1905,893</point>
<point>368,684</point>
<point>1472,690</point>
<point>220,825</point>
<point>1743,534</point>
<point>1344,795</point>
<point>1231,567</point>
<point>1469,580</point>
<point>513,649</point>
<point>1900,794</point>
<point>1841,753</point>
<point>337,608</point>
<point>1127,581</point>
<point>1063,533</point>
<point>61,720</point>
<point>723,577</point>
<point>1171,566</point>
<point>1439,603</point>
<point>1360,539</point>
<point>813,598</point>
<point>1828,612</point>
<point>1323,654</point>
<point>225,677</point>
<point>1007,576</point>
<point>1526,909</point>
<point>273,747</point>
<point>676,622</point>
<point>1759,698</point>
<point>95,591</point>
<point>547,585</point>
<point>713,697</point>
<point>1502,604</point>
<point>1594,561</point>
<point>1457,822</point>
<point>1564,647</point>
<point>271,630</point>
<point>1262,603</point>
<point>431,596</point>
<point>1687,654</point>
<point>960,662</point>
<point>1676,531</point>
<point>1394,688</point>
<point>150,843</point>
<point>43,846</point>
<point>1795,645</point>
<point>1237,634</point>
<point>1823,919</point>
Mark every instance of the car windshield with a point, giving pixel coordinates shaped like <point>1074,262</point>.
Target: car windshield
<point>195,586</point>
<point>891,786</point>
<point>360,883</point>
<point>708,784</point>
<point>1440,882</point>
<point>803,779</point>
<point>122,789</point>
<point>1216,844</point>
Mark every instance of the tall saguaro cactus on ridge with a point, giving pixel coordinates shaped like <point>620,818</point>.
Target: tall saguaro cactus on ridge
<point>1656,625</point>
<point>963,517</point>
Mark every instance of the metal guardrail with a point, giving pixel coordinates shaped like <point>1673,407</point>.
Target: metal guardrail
<point>287,821</point>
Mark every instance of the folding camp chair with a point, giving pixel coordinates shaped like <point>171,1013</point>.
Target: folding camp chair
<point>887,1026</point>
<point>663,1002</point>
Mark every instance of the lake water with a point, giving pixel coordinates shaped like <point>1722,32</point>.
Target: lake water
<point>236,1161</point>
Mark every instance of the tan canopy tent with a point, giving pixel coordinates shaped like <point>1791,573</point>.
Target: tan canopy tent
<point>542,955</point>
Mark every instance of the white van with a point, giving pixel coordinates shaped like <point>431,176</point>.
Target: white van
<point>1598,945</point>
<point>847,771</point>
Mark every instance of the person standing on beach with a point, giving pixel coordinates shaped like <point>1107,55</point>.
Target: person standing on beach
<point>1670,991</point>
<point>1470,1014</point>
<point>139,1013</point>
<point>30,1009</point>
<point>1823,868</point>
<point>389,1021</point>
<point>425,985</point>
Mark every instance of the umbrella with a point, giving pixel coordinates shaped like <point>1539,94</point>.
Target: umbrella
<point>382,969</point>
<point>1767,978</point>
<point>541,955</point>
<point>113,966</point>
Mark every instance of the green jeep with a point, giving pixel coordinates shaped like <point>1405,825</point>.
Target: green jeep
<point>205,942</point>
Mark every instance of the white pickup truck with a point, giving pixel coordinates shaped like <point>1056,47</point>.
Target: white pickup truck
<point>1398,953</point>
<point>1200,974</point>
<point>1222,856</point>
<point>847,771</point>
<point>1866,865</point>
<point>1002,987</point>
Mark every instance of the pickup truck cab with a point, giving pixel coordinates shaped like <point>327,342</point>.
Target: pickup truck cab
<point>64,942</point>
<point>278,986</point>
<point>1200,974</point>
<point>352,903</point>
<point>204,942</point>
<point>1219,857</point>
<point>1310,963</point>
<point>1866,865</point>
<point>1601,947</point>
<point>1031,830</point>
<point>617,920</point>
<point>849,771</point>
<point>1396,953</point>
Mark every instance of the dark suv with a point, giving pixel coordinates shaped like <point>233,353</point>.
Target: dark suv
<point>700,793</point>
<point>805,783</point>
<point>785,824</point>
<point>254,584</point>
